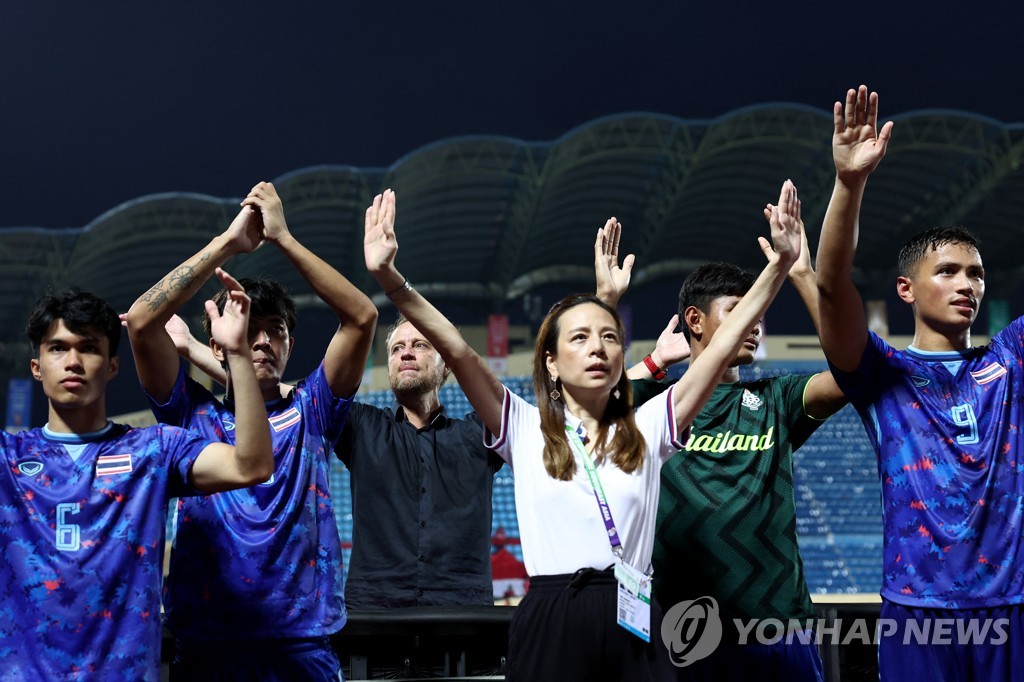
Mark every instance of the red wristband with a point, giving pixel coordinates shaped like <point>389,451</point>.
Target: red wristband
<point>657,372</point>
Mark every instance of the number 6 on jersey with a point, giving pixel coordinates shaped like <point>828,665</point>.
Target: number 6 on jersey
<point>69,535</point>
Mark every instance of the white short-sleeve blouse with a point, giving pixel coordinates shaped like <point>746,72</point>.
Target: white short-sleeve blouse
<point>560,524</point>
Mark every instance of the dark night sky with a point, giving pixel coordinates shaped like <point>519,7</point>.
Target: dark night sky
<point>106,102</point>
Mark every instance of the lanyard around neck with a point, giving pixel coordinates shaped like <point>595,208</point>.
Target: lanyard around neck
<point>595,483</point>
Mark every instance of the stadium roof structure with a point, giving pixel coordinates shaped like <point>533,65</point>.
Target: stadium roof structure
<point>487,219</point>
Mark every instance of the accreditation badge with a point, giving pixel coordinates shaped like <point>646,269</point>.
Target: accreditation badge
<point>634,611</point>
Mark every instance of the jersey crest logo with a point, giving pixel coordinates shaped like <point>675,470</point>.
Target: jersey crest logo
<point>108,465</point>
<point>919,381</point>
<point>751,401</point>
<point>287,418</point>
<point>988,374</point>
<point>229,423</point>
<point>30,467</point>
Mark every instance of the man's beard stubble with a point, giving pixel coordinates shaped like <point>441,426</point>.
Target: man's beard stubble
<point>417,385</point>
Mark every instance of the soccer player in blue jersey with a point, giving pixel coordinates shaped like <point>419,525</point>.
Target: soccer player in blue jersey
<point>255,584</point>
<point>395,563</point>
<point>945,419</point>
<point>83,501</point>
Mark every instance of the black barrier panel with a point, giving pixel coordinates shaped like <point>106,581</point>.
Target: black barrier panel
<point>470,643</point>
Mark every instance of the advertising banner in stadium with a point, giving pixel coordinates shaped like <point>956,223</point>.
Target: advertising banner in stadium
<point>497,343</point>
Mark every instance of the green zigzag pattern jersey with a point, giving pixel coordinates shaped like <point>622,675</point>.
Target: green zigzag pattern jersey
<point>727,516</point>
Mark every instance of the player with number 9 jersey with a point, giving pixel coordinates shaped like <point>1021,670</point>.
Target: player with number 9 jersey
<point>946,427</point>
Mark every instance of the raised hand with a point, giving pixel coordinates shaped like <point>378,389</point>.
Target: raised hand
<point>612,280</point>
<point>802,266</point>
<point>263,198</point>
<point>379,242</point>
<point>245,233</point>
<point>857,144</point>
<point>179,332</point>
<point>230,329</point>
<point>672,346</point>
<point>785,228</point>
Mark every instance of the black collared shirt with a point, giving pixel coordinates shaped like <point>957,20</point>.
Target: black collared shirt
<point>421,509</point>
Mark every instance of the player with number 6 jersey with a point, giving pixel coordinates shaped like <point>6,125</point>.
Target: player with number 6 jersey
<point>82,520</point>
<point>83,501</point>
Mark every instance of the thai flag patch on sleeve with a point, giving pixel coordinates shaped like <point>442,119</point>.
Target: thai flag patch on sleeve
<point>108,465</point>
<point>285,419</point>
<point>990,373</point>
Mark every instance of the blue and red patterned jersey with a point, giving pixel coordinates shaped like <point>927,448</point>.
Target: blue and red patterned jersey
<point>947,429</point>
<point>263,561</point>
<point>82,521</point>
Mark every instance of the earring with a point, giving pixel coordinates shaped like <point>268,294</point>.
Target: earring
<point>555,393</point>
<point>617,394</point>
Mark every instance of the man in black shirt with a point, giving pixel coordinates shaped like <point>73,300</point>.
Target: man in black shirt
<point>421,490</point>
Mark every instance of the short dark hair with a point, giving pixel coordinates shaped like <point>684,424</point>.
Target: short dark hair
<point>918,246</point>
<point>711,281</point>
<point>268,299</point>
<point>80,312</point>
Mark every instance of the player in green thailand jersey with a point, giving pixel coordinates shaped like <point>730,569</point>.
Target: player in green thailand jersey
<point>727,515</point>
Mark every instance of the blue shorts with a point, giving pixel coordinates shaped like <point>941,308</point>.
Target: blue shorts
<point>310,659</point>
<point>950,644</point>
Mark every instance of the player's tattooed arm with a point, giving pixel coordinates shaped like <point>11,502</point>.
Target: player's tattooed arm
<point>156,296</point>
<point>155,354</point>
<point>183,278</point>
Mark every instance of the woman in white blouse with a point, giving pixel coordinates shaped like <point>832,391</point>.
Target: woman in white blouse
<point>586,464</point>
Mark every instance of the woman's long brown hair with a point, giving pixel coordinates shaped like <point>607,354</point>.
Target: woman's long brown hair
<point>627,445</point>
